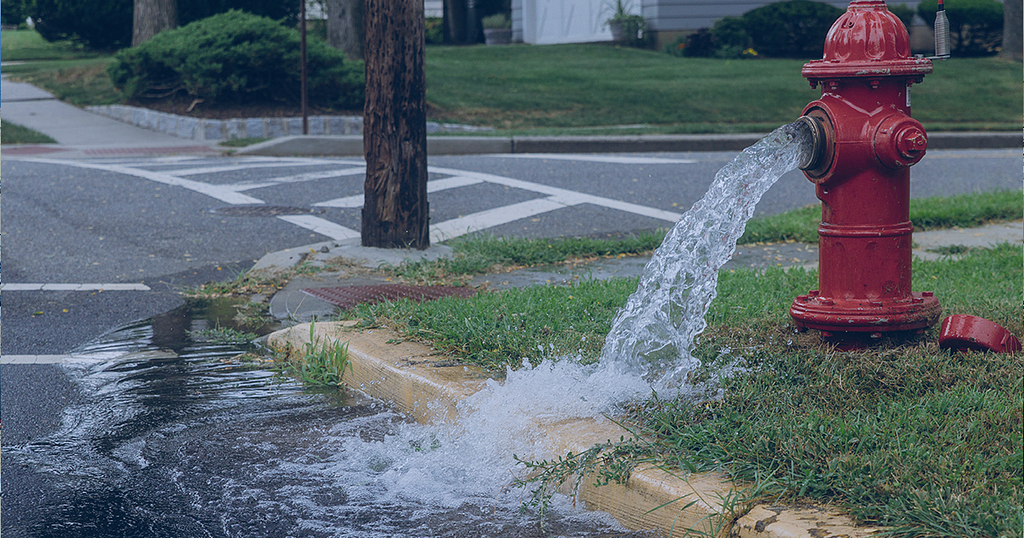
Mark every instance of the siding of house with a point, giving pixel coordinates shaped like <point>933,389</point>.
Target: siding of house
<point>689,15</point>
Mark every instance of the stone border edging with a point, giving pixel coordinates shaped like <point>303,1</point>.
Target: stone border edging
<point>410,377</point>
<point>219,130</point>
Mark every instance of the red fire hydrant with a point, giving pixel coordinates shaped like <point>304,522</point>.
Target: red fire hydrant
<point>865,142</point>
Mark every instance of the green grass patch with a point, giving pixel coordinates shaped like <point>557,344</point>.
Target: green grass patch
<point>29,46</point>
<point>561,89</point>
<point>242,142</point>
<point>903,434</point>
<point>78,82</point>
<point>12,133</point>
<point>480,254</point>
<point>934,213</point>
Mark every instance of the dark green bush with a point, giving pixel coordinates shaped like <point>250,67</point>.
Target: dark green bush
<point>700,44</point>
<point>727,39</point>
<point>237,57</point>
<point>904,13</point>
<point>97,24</point>
<point>794,29</point>
<point>107,24</point>
<point>14,12</point>
<point>975,26</point>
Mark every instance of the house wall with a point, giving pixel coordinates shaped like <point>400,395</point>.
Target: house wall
<point>690,15</point>
<point>581,21</point>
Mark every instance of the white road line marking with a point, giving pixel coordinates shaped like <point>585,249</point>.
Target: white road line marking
<point>247,166</point>
<point>490,218</point>
<point>220,192</point>
<point>114,286</point>
<point>613,159</point>
<point>432,186</point>
<point>321,226</point>
<point>34,359</point>
<point>566,194</point>
<point>312,176</point>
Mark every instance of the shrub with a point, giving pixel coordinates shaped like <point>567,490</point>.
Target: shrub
<point>904,13</point>
<point>97,24</point>
<point>700,44</point>
<point>434,31</point>
<point>794,29</point>
<point>15,11</point>
<point>237,57</point>
<point>975,26</point>
<point>107,24</point>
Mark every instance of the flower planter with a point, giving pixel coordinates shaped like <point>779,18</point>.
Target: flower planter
<point>497,36</point>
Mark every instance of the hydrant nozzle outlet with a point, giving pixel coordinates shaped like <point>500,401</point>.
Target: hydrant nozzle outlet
<point>813,158</point>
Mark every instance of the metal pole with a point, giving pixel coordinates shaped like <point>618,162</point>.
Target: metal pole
<point>305,111</point>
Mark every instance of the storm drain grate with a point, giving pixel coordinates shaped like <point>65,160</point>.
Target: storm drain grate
<point>349,296</point>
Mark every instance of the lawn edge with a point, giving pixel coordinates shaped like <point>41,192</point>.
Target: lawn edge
<point>417,381</point>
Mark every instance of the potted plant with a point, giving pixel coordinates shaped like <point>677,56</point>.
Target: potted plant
<point>626,27</point>
<point>497,29</point>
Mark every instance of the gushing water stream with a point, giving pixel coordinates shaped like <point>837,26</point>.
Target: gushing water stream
<point>653,334</point>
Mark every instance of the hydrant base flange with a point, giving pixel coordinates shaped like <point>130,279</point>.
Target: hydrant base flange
<point>813,311</point>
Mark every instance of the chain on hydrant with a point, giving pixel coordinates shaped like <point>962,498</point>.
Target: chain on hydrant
<point>865,143</point>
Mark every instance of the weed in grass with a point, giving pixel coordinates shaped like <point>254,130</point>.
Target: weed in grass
<point>322,363</point>
<point>222,335</point>
<point>253,314</point>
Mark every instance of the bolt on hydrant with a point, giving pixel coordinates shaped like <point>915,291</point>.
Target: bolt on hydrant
<point>864,145</point>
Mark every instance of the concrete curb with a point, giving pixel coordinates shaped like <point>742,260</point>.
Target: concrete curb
<point>417,381</point>
<point>350,146</point>
<point>211,129</point>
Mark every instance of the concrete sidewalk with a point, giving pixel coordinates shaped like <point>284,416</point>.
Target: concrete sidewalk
<point>79,133</point>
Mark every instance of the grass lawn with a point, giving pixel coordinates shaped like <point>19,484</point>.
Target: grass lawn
<point>12,133</point>
<point>29,46</point>
<point>602,89</point>
<point>903,434</point>
<point>575,88</point>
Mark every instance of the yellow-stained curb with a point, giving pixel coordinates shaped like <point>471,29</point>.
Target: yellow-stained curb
<point>419,382</point>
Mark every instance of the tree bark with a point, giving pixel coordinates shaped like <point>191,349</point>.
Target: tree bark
<point>395,213</point>
<point>345,26</point>
<point>1012,30</point>
<point>150,17</point>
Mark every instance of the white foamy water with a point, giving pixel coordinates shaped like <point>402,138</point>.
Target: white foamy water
<point>653,334</point>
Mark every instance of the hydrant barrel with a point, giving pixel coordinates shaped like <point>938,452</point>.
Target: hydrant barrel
<point>862,177</point>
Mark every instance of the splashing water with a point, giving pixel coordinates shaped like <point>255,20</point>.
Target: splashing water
<point>653,334</point>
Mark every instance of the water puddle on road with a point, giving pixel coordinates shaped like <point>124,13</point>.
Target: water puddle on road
<point>176,437</point>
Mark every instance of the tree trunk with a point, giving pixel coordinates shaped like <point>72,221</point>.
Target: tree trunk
<point>395,213</point>
<point>345,26</point>
<point>455,22</point>
<point>152,17</point>
<point>1012,30</point>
